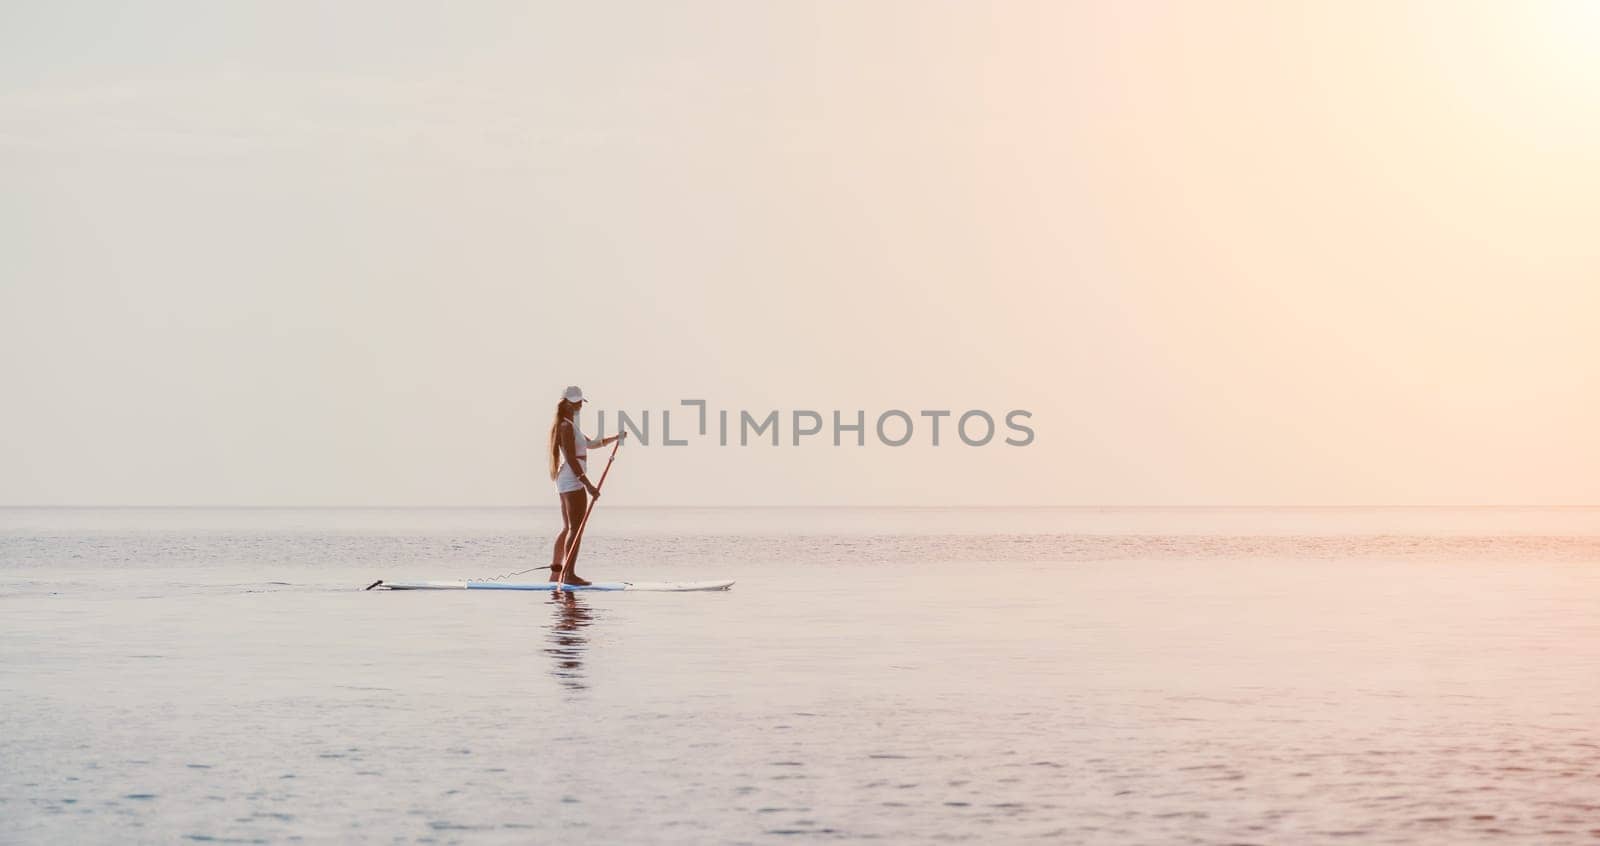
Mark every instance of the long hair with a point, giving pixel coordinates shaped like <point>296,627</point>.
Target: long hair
<point>562,412</point>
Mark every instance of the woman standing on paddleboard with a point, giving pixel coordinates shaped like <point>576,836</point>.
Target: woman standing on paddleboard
<point>569,454</point>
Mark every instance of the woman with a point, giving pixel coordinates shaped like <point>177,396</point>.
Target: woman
<point>569,452</point>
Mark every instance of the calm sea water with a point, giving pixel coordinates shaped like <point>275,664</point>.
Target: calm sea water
<point>1068,675</point>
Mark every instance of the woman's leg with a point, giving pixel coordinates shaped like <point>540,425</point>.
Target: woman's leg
<point>559,553</point>
<point>573,505</point>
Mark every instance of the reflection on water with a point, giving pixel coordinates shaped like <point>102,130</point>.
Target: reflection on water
<point>566,638</point>
<point>1101,685</point>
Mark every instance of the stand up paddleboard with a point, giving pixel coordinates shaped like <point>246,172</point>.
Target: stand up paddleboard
<point>660,586</point>
<point>566,564</point>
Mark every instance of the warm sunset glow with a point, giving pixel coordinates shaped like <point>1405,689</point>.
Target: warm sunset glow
<point>1238,252</point>
<point>1047,421</point>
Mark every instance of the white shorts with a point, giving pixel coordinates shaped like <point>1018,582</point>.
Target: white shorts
<point>568,481</point>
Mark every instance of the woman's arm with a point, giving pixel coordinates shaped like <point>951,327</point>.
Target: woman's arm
<point>569,450</point>
<point>596,443</point>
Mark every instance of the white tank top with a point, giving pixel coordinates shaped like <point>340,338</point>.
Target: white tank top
<point>566,480</point>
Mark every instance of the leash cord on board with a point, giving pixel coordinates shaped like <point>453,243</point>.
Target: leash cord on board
<point>577,534</point>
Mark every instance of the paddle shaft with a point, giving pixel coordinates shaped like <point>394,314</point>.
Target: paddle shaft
<point>572,544</point>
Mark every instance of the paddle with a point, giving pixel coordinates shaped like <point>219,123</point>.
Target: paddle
<point>572,546</point>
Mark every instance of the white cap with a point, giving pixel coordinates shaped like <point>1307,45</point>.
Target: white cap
<point>573,394</point>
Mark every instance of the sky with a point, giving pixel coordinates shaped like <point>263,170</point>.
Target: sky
<point>1231,253</point>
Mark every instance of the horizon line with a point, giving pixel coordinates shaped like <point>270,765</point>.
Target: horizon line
<point>1040,506</point>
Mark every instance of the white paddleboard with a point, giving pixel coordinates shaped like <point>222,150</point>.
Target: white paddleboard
<point>661,586</point>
